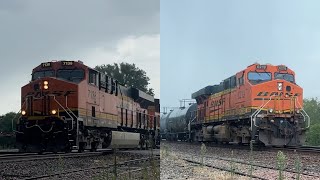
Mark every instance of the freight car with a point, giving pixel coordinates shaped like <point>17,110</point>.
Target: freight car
<point>68,105</point>
<point>261,103</point>
<point>175,124</point>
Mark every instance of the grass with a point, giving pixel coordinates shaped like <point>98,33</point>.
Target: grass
<point>251,159</point>
<point>203,171</point>
<point>297,165</point>
<point>281,164</point>
<point>203,151</point>
<point>150,170</point>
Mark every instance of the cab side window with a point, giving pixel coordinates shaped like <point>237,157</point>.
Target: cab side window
<point>240,80</point>
<point>93,77</point>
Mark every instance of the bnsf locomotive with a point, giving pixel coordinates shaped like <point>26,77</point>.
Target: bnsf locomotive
<point>67,105</point>
<point>262,103</point>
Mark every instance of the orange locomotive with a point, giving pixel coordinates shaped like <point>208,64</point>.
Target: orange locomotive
<point>68,105</point>
<point>261,103</point>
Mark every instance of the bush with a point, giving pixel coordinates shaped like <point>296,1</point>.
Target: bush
<point>313,135</point>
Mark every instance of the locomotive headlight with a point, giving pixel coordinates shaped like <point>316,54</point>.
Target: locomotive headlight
<point>23,112</point>
<point>270,110</point>
<point>272,120</point>
<point>298,111</point>
<point>54,111</point>
<point>45,85</point>
<point>280,86</point>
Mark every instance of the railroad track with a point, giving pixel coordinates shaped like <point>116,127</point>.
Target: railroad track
<point>122,168</point>
<point>244,163</point>
<point>33,156</point>
<point>312,149</point>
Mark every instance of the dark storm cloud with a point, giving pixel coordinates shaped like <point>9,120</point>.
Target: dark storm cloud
<point>35,31</point>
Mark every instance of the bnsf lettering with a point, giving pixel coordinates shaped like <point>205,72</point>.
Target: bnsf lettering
<point>55,93</point>
<point>276,94</point>
<point>217,102</point>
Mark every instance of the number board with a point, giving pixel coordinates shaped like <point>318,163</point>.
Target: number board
<point>261,66</point>
<point>282,68</point>
<point>67,63</point>
<point>46,64</point>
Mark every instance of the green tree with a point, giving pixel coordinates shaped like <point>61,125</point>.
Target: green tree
<point>313,135</point>
<point>5,122</point>
<point>128,75</point>
<point>312,107</point>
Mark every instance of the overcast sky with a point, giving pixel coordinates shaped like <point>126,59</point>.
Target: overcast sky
<point>205,41</point>
<point>95,32</point>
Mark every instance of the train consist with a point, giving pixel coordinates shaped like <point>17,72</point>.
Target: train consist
<point>68,105</point>
<point>261,103</point>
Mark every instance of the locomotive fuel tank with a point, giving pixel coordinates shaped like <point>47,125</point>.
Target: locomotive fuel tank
<point>124,140</point>
<point>219,133</point>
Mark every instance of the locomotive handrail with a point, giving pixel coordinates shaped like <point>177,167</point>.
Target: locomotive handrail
<point>54,98</point>
<point>69,108</point>
<point>304,116</point>
<point>36,125</point>
<point>256,112</point>
<point>259,110</point>
<point>77,140</point>
<point>18,118</point>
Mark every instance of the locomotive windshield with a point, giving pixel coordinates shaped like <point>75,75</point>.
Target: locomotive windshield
<point>41,74</point>
<point>284,76</point>
<point>259,77</point>
<point>73,75</point>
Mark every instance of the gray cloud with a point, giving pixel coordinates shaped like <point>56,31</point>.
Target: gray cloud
<point>36,31</point>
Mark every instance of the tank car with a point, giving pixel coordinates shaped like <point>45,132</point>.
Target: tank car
<point>262,103</point>
<point>68,105</point>
<point>175,125</point>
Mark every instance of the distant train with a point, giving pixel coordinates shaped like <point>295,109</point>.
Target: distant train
<point>68,105</point>
<point>262,103</point>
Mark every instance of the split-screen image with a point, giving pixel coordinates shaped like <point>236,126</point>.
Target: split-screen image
<point>159,89</point>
